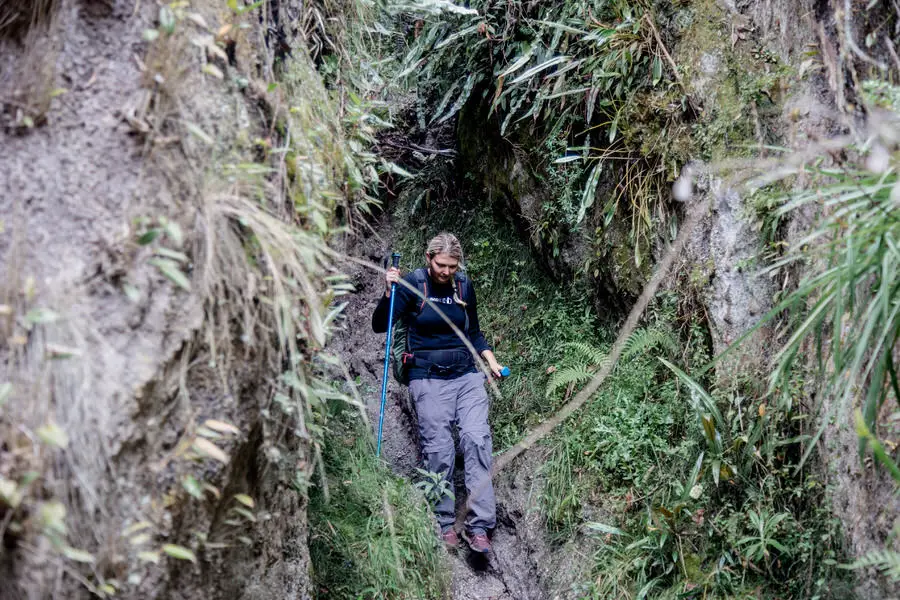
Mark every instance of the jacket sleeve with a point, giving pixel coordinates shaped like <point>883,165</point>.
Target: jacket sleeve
<point>401,303</point>
<point>475,334</point>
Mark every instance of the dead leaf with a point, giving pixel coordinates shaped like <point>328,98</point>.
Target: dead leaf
<point>198,20</point>
<point>207,448</point>
<point>213,70</point>
<point>221,426</point>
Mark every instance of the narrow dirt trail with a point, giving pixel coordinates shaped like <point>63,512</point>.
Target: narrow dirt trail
<point>511,573</point>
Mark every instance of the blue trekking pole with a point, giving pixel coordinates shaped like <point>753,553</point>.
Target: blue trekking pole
<point>395,262</point>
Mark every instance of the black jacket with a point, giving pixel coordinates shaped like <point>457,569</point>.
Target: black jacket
<point>430,337</point>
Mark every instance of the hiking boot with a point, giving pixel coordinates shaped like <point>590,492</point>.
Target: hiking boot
<point>479,542</point>
<point>450,538</point>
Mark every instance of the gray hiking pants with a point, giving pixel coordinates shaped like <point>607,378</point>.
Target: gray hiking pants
<point>439,404</point>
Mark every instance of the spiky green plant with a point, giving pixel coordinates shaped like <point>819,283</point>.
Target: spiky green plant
<point>886,561</point>
<point>848,302</point>
<point>373,536</point>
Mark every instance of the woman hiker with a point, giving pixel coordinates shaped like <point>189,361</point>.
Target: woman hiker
<point>445,384</point>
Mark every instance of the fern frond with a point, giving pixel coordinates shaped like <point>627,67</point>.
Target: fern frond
<point>591,354</point>
<point>886,561</point>
<point>563,377</point>
<point>645,339</point>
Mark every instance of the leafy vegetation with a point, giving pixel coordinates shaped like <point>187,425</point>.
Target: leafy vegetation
<point>627,436</point>
<point>716,493</point>
<point>573,79</point>
<point>706,489</point>
<point>703,485</point>
<point>842,316</point>
<point>232,249</point>
<point>371,535</point>
<point>847,304</point>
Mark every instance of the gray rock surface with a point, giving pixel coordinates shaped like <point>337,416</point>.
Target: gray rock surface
<point>725,257</point>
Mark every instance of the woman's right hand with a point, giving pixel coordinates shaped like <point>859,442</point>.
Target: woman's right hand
<point>392,276</point>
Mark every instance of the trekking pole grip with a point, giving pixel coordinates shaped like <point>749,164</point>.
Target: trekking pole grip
<point>395,260</point>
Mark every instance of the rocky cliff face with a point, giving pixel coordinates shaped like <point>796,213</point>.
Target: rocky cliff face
<point>145,317</point>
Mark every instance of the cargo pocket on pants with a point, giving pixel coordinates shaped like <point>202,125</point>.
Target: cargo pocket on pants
<point>477,445</point>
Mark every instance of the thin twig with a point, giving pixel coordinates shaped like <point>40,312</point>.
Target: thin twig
<point>418,148</point>
<point>848,33</point>
<point>665,52</point>
<point>892,50</point>
<point>674,67</point>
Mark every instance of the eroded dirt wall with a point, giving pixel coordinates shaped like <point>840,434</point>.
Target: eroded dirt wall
<point>115,120</point>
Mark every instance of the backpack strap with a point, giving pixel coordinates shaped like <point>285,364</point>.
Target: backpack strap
<point>421,276</point>
<point>462,284</point>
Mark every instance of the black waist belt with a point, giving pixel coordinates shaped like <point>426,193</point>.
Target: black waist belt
<point>440,362</point>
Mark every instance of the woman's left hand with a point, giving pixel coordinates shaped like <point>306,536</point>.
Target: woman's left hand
<point>496,369</point>
<point>493,365</point>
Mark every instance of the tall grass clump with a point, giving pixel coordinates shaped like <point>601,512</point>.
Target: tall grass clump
<point>372,536</point>
<point>841,322</point>
<point>847,303</point>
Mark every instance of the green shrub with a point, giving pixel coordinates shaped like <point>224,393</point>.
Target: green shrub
<point>628,437</point>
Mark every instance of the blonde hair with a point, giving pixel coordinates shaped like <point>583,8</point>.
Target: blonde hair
<point>447,243</point>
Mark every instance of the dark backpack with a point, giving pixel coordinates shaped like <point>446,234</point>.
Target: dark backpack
<point>400,335</point>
